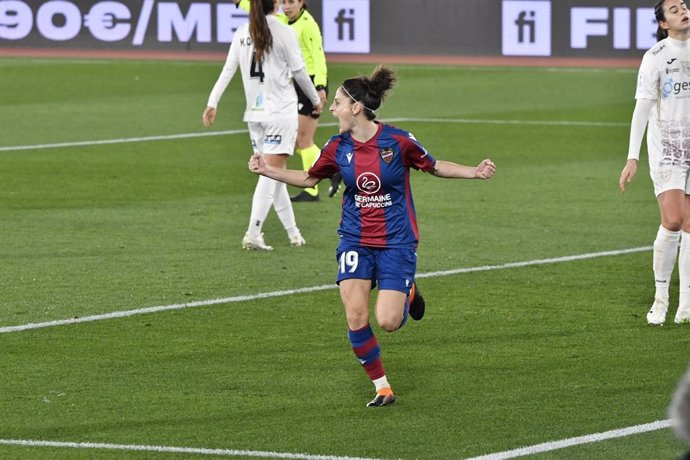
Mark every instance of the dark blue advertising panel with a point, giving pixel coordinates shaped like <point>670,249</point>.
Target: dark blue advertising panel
<point>564,28</point>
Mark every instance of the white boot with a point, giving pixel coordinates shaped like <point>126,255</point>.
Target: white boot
<point>657,314</point>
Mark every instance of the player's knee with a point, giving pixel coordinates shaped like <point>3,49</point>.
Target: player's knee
<point>356,319</point>
<point>389,323</point>
<point>674,224</point>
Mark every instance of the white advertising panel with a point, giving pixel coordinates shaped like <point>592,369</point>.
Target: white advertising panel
<point>526,28</point>
<point>345,26</point>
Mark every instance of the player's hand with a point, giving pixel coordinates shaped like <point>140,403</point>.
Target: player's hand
<point>317,108</point>
<point>322,96</point>
<point>209,116</point>
<point>256,163</point>
<point>627,174</point>
<point>485,170</point>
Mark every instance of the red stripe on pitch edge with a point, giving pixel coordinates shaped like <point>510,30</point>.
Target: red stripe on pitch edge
<point>480,61</point>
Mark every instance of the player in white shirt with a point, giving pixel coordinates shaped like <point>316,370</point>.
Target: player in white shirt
<point>269,57</point>
<point>663,107</point>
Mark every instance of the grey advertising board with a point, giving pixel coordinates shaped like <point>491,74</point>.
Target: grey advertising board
<point>559,28</point>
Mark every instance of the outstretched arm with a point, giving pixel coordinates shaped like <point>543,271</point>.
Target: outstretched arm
<point>451,170</point>
<point>298,178</point>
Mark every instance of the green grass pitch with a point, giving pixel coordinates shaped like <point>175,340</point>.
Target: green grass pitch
<point>505,358</point>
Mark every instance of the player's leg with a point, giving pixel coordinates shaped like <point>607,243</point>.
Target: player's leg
<point>355,296</point>
<point>392,308</point>
<point>262,199</point>
<point>398,294</point>
<point>282,203</point>
<point>308,152</point>
<point>389,315</point>
<point>683,313</point>
<point>665,251</point>
<point>305,148</point>
<point>355,272</point>
<point>286,214</point>
<point>277,151</point>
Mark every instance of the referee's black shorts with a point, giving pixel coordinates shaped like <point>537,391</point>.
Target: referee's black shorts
<point>304,105</point>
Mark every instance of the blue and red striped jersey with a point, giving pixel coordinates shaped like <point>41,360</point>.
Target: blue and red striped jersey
<point>378,209</point>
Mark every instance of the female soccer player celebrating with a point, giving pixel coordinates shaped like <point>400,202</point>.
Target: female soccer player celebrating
<point>663,106</point>
<point>378,229</point>
<point>269,57</point>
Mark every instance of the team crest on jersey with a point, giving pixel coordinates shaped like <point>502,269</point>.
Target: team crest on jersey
<point>686,67</point>
<point>386,154</point>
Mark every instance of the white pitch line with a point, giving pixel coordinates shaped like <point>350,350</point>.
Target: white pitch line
<point>129,140</point>
<point>468,121</point>
<point>570,442</point>
<point>554,260</point>
<point>508,454</point>
<point>167,137</point>
<point>266,295</point>
<point>147,310</point>
<point>125,140</point>
<point>176,450</point>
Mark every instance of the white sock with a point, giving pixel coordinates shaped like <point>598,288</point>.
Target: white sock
<point>381,383</point>
<point>684,270</point>
<point>283,207</point>
<point>665,251</point>
<point>261,204</point>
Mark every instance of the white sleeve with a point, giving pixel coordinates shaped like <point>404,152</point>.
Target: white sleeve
<point>225,76</point>
<point>307,85</point>
<point>643,108</point>
<point>647,78</point>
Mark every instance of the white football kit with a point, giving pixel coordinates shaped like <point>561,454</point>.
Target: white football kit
<point>268,84</point>
<point>664,77</point>
<point>271,114</point>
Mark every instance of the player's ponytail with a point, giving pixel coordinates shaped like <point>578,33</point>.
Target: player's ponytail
<point>661,33</point>
<point>380,82</point>
<point>258,27</point>
<point>370,91</point>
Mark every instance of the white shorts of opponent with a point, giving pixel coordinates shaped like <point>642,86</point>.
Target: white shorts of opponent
<point>670,177</point>
<point>275,137</point>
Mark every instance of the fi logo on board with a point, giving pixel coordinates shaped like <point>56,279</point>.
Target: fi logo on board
<point>526,28</point>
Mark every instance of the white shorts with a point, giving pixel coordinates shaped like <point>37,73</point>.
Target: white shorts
<point>275,137</point>
<point>669,177</point>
